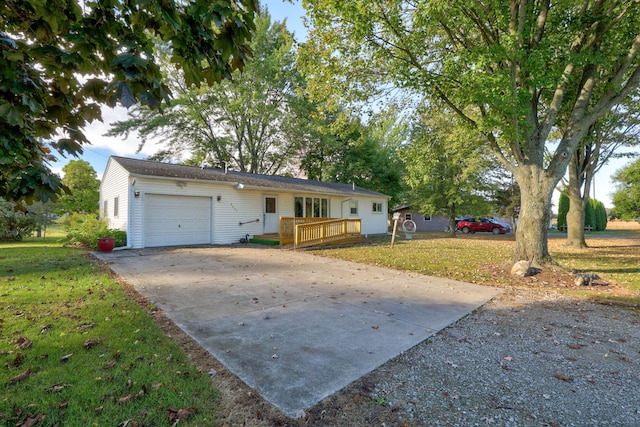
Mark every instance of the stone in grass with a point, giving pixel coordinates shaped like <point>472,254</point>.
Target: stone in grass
<point>524,269</point>
<point>589,279</point>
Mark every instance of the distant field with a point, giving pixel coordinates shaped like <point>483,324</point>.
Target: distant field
<point>623,225</point>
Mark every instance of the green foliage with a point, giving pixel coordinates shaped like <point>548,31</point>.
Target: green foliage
<point>626,199</point>
<point>250,124</point>
<point>349,151</point>
<point>15,221</point>
<point>600,214</point>
<point>96,358</point>
<point>85,229</point>
<point>512,70</point>
<point>61,60</point>
<point>82,184</point>
<point>589,216</point>
<point>563,209</point>
<point>448,171</point>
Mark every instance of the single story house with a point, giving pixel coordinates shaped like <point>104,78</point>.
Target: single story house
<point>423,222</point>
<point>163,204</point>
<point>426,222</point>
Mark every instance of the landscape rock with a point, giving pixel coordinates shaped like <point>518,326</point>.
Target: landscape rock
<point>524,269</point>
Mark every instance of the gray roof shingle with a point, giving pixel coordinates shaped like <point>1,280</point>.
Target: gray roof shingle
<point>138,167</point>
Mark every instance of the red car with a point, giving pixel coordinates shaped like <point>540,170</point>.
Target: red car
<point>471,225</point>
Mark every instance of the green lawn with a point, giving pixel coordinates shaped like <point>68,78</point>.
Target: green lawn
<point>76,351</point>
<point>484,258</point>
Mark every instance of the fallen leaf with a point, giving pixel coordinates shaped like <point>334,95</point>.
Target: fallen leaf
<point>184,414</point>
<point>17,361</point>
<point>87,325</point>
<point>23,343</point>
<point>563,377</point>
<point>574,346</point>
<point>33,420</point>
<point>20,377</point>
<point>375,326</point>
<point>57,388</point>
<point>126,399</point>
<point>508,358</point>
<point>91,343</point>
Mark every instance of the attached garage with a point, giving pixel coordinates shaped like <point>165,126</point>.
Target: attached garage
<point>163,204</point>
<point>176,220</point>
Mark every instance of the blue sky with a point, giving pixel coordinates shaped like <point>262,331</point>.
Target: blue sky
<point>97,154</point>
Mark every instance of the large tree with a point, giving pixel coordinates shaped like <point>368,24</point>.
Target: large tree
<point>247,123</point>
<point>527,67</point>
<point>81,189</point>
<point>343,148</point>
<point>61,59</point>
<point>448,172</point>
<point>618,129</point>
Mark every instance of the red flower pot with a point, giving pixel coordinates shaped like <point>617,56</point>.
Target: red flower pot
<point>106,244</point>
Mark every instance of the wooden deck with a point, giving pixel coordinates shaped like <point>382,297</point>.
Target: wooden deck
<point>305,232</point>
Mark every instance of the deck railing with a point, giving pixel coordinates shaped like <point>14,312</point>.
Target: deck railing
<point>316,231</point>
<point>288,227</point>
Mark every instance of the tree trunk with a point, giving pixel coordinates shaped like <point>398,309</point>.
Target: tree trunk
<point>575,218</point>
<point>533,222</point>
<point>452,222</point>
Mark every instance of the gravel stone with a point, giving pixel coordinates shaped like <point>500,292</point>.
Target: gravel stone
<point>528,358</point>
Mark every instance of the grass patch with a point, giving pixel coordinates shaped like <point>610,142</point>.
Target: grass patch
<point>76,351</point>
<point>487,259</point>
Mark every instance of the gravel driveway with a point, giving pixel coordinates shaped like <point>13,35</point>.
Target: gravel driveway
<point>528,358</point>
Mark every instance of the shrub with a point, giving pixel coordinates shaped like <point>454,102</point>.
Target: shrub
<point>15,223</point>
<point>589,216</point>
<point>563,208</point>
<point>84,230</point>
<point>601,215</point>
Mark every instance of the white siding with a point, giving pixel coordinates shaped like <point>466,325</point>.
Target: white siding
<point>234,212</point>
<point>115,183</point>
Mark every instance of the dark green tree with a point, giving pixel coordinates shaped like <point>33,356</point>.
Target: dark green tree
<point>589,216</point>
<point>563,208</point>
<point>61,60</point>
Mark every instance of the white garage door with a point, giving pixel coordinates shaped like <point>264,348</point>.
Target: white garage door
<point>176,220</point>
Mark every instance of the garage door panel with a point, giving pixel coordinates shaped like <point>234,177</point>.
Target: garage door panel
<point>177,220</point>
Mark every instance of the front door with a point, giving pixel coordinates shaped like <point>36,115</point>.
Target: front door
<point>271,218</point>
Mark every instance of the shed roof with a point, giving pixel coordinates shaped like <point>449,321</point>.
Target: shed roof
<point>150,168</point>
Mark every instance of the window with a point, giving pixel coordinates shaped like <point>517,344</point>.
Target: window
<point>427,217</point>
<point>298,207</point>
<point>377,207</point>
<point>115,206</point>
<point>105,209</point>
<point>353,207</point>
<point>310,207</point>
<point>407,217</point>
<point>270,205</point>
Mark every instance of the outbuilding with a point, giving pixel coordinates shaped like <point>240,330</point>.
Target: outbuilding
<point>164,204</point>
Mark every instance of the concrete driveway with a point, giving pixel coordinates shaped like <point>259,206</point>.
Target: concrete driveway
<point>294,326</point>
